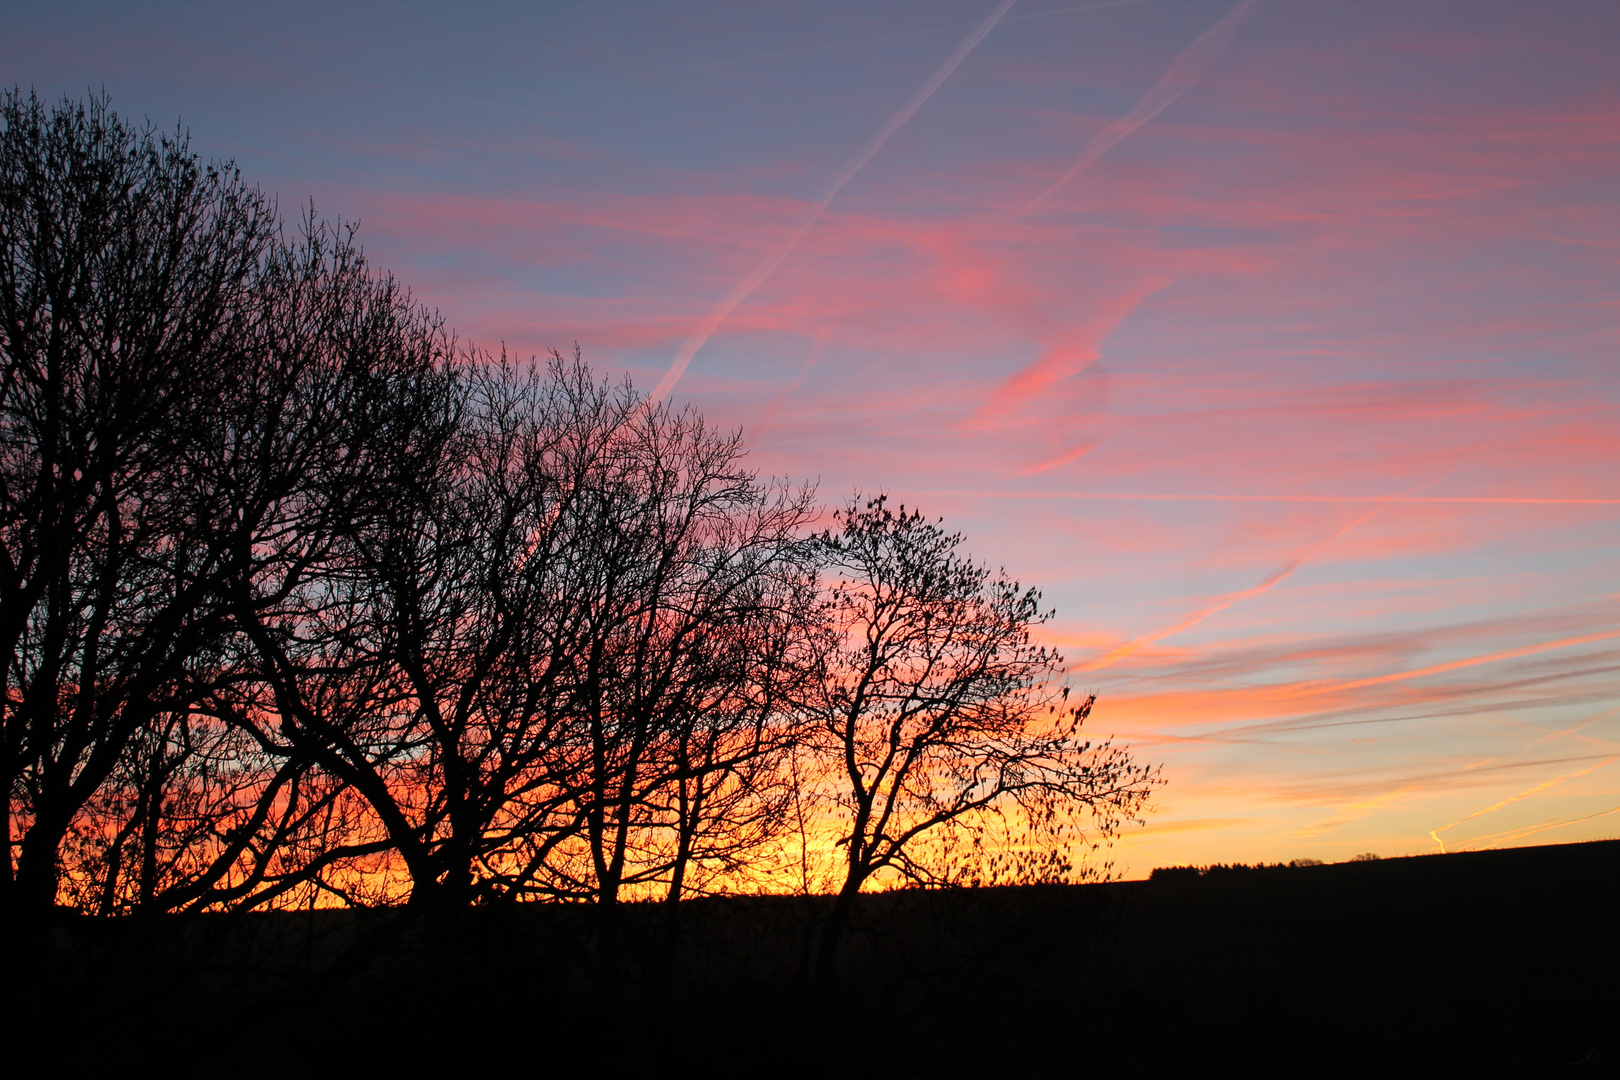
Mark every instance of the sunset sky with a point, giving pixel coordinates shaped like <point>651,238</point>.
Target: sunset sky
<point>1278,342</point>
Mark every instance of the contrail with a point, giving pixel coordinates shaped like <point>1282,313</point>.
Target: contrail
<point>1183,73</point>
<point>1514,835</point>
<point>1133,496</point>
<point>768,265</point>
<point>769,412</point>
<point>1282,573</point>
<point>1471,661</point>
<point>1543,786</point>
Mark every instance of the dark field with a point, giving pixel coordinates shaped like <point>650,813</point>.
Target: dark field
<point>1484,964</point>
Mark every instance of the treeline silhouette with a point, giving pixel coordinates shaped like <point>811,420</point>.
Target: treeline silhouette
<point>309,604</point>
<point>1181,873</point>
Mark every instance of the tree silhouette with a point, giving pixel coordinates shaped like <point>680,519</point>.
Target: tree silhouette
<point>545,659</point>
<point>351,400</point>
<point>691,579</point>
<point>194,407</point>
<point>936,713</point>
<point>127,275</point>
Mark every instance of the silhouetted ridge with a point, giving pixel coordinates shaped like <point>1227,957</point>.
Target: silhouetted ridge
<point>1484,963</point>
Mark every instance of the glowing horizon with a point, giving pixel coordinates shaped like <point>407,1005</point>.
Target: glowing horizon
<point>1275,342</point>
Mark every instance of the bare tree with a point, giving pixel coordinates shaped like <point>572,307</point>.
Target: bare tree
<point>729,751</point>
<point>693,590</point>
<point>340,386</point>
<point>547,658</point>
<point>370,415</point>
<point>430,656</point>
<point>938,717</point>
<point>194,409</point>
<point>127,273</point>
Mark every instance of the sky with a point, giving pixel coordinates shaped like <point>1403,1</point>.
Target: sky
<point>1276,341</point>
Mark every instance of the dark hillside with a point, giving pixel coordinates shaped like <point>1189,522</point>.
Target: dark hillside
<point>1481,964</point>
<point>1488,963</point>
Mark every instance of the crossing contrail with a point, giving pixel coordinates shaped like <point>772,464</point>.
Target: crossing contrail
<point>1183,73</point>
<point>1538,789</point>
<point>767,266</point>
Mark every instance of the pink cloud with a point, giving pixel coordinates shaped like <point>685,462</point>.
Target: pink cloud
<point>1081,347</point>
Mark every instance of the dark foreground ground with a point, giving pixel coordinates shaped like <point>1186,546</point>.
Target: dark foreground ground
<point>1488,964</point>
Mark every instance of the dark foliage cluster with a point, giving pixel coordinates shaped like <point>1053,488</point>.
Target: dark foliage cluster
<point>307,604</point>
<point>1182,873</point>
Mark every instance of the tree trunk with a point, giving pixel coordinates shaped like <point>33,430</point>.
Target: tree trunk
<point>832,932</point>
<point>607,946</point>
<point>670,946</point>
<point>39,861</point>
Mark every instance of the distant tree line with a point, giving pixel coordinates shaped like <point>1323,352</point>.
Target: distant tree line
<point>307,603</point>
<point>1179,873</point>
